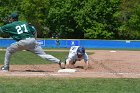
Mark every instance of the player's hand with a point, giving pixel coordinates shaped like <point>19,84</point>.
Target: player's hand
<point>87,66</point>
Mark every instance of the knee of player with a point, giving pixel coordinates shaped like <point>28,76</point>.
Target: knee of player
<point>10,50</point>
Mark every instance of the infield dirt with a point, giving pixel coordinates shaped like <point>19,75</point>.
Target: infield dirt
<point>105,64</point>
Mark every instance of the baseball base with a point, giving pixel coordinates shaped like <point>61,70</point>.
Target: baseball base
<point>67,70</point>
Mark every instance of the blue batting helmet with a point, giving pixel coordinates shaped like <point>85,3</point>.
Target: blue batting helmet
<point>81,51</point>
<point>14,16</point>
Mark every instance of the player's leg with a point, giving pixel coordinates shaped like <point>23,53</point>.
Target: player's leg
<point>9,51</point>
<point>40,52</point>
<point>70,63</point>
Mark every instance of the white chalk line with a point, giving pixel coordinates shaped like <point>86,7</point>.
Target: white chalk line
<point>111,73</point>
<point>64,74</point>
<point>32,74</point>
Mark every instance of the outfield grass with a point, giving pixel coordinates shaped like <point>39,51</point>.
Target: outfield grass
<point>25,57</point>
<point>68,85</point>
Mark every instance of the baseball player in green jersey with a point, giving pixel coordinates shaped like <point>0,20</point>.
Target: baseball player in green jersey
<point>24,34</point>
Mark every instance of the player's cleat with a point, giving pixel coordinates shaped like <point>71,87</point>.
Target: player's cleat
<point>5,69</point>
<point>61,65</point>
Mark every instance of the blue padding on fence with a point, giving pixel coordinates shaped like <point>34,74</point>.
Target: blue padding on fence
<point>51,43</point>
<point>6,42</point>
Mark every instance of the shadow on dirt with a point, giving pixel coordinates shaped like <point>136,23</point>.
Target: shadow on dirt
<point>81,67</point>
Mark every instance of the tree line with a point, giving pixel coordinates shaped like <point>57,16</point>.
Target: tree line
<point>78,19</point>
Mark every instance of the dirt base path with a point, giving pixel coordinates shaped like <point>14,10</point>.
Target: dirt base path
<point>105,64</point>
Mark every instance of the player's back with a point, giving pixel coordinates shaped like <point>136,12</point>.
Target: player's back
<point>18,30</point>
<point>73,49</point>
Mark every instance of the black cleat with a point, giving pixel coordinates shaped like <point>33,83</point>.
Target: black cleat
<point>4,69</point>
<point>61,65</point>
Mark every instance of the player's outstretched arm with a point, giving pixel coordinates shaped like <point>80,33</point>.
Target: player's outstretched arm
<point>87,65</point>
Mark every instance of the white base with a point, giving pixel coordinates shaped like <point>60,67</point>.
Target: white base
<point>113,51</point>
<point>67,70</point>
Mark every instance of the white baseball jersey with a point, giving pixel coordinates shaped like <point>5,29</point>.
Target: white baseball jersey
<point>73,54</point>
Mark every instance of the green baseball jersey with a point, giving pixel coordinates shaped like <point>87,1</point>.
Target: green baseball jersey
<point>18,30</point>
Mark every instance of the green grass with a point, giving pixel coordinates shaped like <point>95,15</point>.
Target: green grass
<point>25,57</point>
<point>68,85</point>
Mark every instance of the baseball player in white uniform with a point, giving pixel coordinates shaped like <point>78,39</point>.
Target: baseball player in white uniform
<point>76,53</point>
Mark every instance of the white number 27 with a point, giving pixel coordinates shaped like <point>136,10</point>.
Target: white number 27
<point>21,29</point>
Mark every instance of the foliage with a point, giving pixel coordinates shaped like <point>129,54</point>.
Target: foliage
<point>35,12</point>
<point>90,19</point>
<point>99,18</point>
<point>130,20</point>
<point>61,18</point>
<point>83,19</point>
